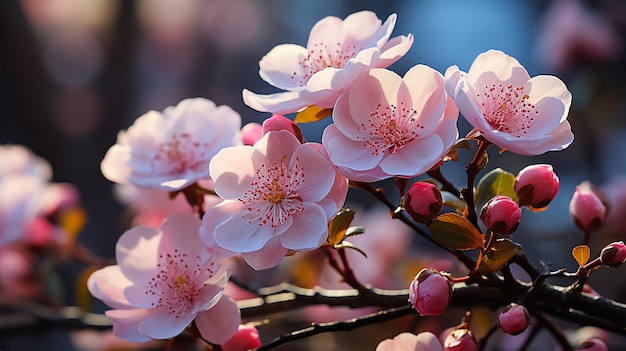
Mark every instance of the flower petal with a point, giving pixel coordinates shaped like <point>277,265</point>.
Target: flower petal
<point>238,234</point>
<point>163,324</point>
<point>308,230</point>
<point>282,68</point>
<point>494,66</point>
<point>126,322</point>
<point>348,153</point>
<point>415,158</point>
<point>280,103</point>
<point>136,253</point>
<point>219,323</point>
<point>108,284</point>
<point>267,257</point>
<point>233,171</point>
<point>319,174</point>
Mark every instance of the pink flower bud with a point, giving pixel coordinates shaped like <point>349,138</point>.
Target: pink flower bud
<point>587,208</point>
<point>280,122</point>
<point>422,201</point>
<point>536,185</point>
<point>430,292</point>
<point>501,215</point>
<point>246,338</point>
<point>593,344</point>
<point>513,319</point>
<point>614,254</point>
<point>460,340</point>
<point>251,133</point>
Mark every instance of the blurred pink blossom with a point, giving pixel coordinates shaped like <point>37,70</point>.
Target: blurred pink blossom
<point>172,149</point>
<point>527,116</point>
<point>571,33</point>
<point>387,125</point>
<point>425,341</point>
<point>164,280</point>
<point>338,51</point>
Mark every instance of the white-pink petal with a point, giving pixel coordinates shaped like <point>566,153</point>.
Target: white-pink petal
<point>219,323</point>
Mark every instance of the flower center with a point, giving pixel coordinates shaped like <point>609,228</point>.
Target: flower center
<point>506,109</point>
<point>272,197</point>
<point>390,128</point>
<point>179,281</point>
<point>322,56</point>
<point>179,154</point>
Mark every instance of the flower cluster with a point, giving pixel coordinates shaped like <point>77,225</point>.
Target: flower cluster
<point>206,189</point>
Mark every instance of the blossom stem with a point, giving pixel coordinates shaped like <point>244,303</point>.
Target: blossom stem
<point>319,328</point>
<point>380,196</point>
<point>472,170</point>
<point>446,185</point>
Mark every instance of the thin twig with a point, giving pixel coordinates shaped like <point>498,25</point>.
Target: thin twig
<point>347,325</point>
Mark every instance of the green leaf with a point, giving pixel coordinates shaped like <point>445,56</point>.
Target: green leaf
<point>352,231</point>
<point>454,231</point>
<point>312,114</point>
<point>500,254</point>
<point>496,182</point>
<point>339,225</point>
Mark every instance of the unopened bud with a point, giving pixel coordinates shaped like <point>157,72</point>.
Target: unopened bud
<point>422,201</point>
<point>430,292</point>
<point>513,319</point>
<point>587,208</point>
<point>593,344</point>
<point>501,215</point>
<point>614,254</point>
<point>246,338</point>
<point>251,133</point>
<point>460,340</point>
<point>536,185</point>
<point>280,122</point>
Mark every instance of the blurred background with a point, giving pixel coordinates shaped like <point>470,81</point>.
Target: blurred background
<point>75,72</point>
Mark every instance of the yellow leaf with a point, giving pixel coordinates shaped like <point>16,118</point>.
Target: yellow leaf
<point>581,254</point>
<point>312,114</point>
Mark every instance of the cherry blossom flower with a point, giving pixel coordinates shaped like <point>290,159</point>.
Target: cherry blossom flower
<point>17,159</point>
<point>425,341</point>
<point>164,280</point>
<point>20,204</point>
<point>337,52</point>
<point>387,125</point>
<point>527,116</point>
<point>279,195</point>
<point>172,150</point>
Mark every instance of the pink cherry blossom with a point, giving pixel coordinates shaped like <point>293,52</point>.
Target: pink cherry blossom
<point>172,149</point>
<point>279,195</point>
<point>337,52</point>
<point>20,203</point>
<point>387,125</point>
<point>527,116</point>
<point>424,341</point>
<point>17,159</point>
<point>164,280</point>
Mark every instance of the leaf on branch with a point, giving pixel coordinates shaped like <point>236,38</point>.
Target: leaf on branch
<point>338,226</point>
<point>453,154</point>
<point>348,245</point>
<point>450,200</point>
<point>581,254</point>
<point>312,114</point>
<point>496,182</point>
<point>352,231</point>
<point>454,231</point>
<point>500,254</point>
